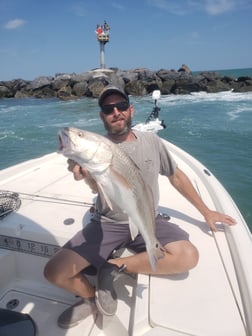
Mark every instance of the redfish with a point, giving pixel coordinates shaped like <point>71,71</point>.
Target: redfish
<point>118,179</point>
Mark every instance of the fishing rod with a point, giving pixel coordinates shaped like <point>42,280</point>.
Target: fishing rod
<point>10,201</point>
<point>56,199</point>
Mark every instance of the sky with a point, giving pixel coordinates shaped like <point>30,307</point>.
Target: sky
<point>42,38</point>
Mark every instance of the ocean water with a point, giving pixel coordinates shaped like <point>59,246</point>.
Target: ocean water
<point>215,128</point>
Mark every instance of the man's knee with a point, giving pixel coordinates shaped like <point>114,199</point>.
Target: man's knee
<point>63,266</point>
<point>185,255</point>
<point>192,256</point>
<point>50,272</point>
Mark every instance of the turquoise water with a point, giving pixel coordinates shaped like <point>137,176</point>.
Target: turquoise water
<point>235,73</point>
<point>215,128</point>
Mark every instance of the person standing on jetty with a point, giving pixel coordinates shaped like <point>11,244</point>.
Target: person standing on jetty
<point>67,267</point>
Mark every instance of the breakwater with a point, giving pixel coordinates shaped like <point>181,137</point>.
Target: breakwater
<point>137,82</point>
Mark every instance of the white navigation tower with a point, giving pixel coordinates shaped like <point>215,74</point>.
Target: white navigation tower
<point>102,35</point>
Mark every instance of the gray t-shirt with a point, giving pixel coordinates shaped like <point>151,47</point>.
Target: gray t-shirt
<point>152,158</point>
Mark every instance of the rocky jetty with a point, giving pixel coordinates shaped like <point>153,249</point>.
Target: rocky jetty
<point>137,82</point>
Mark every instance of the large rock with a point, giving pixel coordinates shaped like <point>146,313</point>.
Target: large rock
<point>166,75</point>
<point>44,92</point>
<point>5,92</point>
<point>243,84</point>
<point>80,89</point>
<point>41,82</point>
<point>60,82</point>
<point>186,85</point>
<point>184,68</point>
<point>128,76</point>
<point>65,93</point>
<point>217,86</point>
<point>136,88</point>
<point>167,86</point>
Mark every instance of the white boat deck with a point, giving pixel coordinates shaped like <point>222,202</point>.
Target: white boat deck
<point>204,302</point>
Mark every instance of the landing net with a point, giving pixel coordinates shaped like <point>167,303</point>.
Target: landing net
<point>9,201</point>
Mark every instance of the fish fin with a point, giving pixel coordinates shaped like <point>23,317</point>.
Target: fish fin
<point>133,229</point>
<point>155,253</point>
<point>120,178</point>
<point>107,200</point>
<point>151,199</point>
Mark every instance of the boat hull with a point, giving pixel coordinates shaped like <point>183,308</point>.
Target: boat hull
<point>212,299</point>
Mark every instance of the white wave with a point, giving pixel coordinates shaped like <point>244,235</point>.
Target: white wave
<point>9,135</point>
<point>6,133</point>
<point>7,109</point>
<point>198,97</point>
<point>79,123</point>
<point>2,137</point>
<point>237,113</point>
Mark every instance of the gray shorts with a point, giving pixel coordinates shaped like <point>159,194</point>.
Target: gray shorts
<point>98,239</point>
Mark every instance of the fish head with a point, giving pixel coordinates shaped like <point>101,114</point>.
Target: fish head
<point>86,148</point>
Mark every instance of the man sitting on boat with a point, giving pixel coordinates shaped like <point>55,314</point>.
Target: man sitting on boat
<point>103,233</point>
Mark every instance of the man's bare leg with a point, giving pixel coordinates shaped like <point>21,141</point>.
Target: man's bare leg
<point>180,257</point>
<point>64,270</point>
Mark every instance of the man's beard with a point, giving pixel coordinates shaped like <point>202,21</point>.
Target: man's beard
<point>115,131</point>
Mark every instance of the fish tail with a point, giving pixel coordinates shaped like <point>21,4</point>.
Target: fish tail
<point>155,253</point>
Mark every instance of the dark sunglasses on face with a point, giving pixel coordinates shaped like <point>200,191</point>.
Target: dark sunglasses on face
<point>121,106</point>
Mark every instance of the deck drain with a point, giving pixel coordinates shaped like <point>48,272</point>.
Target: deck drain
<point>69,221</point>
<point>12,304</point>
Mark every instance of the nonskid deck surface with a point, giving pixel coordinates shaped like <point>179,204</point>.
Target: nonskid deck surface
<point>54,207</point>
<point>45,311</point>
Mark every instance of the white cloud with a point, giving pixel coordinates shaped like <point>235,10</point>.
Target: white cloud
<point>14,24</point>
<point>79,9</point>
<point>117,6</point>
<point>211,7</point>
<point>215,7</point>
<point>171,6</point>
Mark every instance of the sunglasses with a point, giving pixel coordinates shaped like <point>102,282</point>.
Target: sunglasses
<point>121,106</point>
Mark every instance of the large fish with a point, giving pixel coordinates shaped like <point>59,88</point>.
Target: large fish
<point>118,179</point>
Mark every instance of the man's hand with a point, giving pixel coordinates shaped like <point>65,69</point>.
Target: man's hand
<point>213,217</point>
<point>81,173</point>
<point>78,172</point>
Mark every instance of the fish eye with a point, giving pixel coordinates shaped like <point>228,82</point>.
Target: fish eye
<point>80,134</point>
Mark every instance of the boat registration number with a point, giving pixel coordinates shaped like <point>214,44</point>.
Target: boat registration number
<point>28,246</point>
